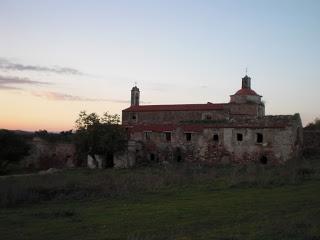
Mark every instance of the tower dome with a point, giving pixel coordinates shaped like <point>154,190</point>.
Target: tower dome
<point>246,94</point>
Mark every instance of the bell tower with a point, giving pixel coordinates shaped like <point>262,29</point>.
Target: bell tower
<point>135,96</point>
<point>246,82</point>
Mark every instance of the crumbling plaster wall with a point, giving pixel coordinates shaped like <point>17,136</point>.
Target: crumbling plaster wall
<point>282,140</point>
<point>244,109</point>
<point>278,145</point>
<point>46,155</point>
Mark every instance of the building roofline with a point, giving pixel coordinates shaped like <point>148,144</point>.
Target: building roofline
<point>197,127</point>
<point>176,107</point>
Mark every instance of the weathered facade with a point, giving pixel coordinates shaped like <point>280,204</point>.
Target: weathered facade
<point>44,154</point>
<point>233,132</point>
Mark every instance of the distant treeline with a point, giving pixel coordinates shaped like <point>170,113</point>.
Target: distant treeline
<point>64,136</point>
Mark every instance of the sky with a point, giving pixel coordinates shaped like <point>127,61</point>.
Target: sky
<point>59,57</point>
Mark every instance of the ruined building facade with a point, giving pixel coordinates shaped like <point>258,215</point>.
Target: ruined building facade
<point>210,133</point>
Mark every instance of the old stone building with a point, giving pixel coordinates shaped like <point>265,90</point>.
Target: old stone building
<point>233,132</point>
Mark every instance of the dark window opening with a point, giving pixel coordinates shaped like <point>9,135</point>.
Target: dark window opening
<point>168,136</point>
<point>127,133</point>
<point>134,117</point>
<point>239,137</point>
<point>208,117</point>
<point>178,155</point>
<point>152,157</point>
<point>215,137</point>
<point>109,160</point>
<point>263,160</point>
<point>188,136</point>
<point>259,138</point>
<point>147,135</point>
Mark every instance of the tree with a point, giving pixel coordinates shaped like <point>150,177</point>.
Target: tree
<point>99,135</point>
<point>64,136</point>
<point>315,125</point>
<point>13,148</point>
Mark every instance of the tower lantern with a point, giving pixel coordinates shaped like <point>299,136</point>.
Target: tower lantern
<point>246,82</point>
<point>135,96</point>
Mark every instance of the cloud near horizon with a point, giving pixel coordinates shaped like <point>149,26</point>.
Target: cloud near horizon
<point>56,96</point>
<point>8,65</point>
<point>6,82</point>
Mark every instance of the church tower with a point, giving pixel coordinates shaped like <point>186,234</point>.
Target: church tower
<point>135,96</point>
<point>246,82</point>
<point>249,97</point>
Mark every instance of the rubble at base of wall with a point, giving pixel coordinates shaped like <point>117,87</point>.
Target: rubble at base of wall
<point>140,154</point>
<point>95,161</point>
<point>126,159</point>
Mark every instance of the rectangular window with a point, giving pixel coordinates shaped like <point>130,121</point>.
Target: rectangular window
<point>239,137</point>
<point>188,136</point>
<point>259,138</point>
<point>215,137</point>
<point>147,135</point>
<point>168,136</point>
<point>208,117</point>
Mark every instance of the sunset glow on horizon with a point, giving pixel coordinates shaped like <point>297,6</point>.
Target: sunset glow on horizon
<point>58,58</point>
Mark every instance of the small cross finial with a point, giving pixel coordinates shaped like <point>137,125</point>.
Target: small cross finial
<point>246,70</point>
<point>135,83</point>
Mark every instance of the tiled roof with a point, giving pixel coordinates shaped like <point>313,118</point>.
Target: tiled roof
<point>246,91</point>
<point>176,107</point>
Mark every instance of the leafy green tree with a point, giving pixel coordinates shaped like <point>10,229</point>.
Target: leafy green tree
<point>13,148</point>
<point>99,135</point>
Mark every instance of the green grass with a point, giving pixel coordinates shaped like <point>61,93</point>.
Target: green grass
<point>187,203</point>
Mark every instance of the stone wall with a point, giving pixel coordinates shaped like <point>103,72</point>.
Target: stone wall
<point>171,117</point>
<point>231,110</point>
<point>271,139</point>
<point>277,146</point>
<point>44,155</point>
<point>244,109</point>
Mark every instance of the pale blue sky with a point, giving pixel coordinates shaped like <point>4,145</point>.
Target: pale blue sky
<point>177,51</point>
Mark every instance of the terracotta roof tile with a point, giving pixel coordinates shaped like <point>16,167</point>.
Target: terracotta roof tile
<point>246,91</point>
<point>176,107</point>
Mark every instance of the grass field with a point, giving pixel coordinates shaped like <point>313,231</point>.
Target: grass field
<point>180,202</point>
